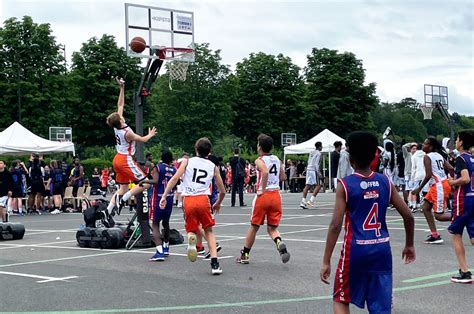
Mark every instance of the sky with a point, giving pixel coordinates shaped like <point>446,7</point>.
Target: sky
<point>403,44</point>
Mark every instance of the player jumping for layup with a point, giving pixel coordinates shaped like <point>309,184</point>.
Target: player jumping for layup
<point>125,166</point>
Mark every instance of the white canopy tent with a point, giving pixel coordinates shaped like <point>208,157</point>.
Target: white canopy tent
<point>17,140</point>
<point>326,137</point>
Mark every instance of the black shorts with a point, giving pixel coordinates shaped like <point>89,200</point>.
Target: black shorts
<point>37,187</point>
<point>17,192</point>
<point>56,189</point>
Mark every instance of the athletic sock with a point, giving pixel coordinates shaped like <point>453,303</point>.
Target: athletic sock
<point>213,260</point>
<point>110,207</point>
<point>127,196</point>
<point>246,250</point>
<point>303,200</point>
<point>311,199</point>
<point>277,241</point>
<point>435,234</point>
<point>159,248</point>
<point>166,244</point>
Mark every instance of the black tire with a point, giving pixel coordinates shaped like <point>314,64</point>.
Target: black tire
<point>17,230</point>
<point>114,238</point>
<point>84,233</point>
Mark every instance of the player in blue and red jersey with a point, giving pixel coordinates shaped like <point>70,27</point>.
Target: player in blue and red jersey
<point>364,273</point>
<point>463,205</point>
<point>162,173</point>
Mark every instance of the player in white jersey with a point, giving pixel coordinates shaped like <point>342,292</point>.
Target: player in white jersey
<point>312,176</point>
<point>197,174</point>
<point>126,168</point>
<point>267,202</point>
<point>435,167</point>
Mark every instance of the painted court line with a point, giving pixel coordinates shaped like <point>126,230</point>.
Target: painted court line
<point>43,278</point>
<point>233,304</point>
<point>434,276</point>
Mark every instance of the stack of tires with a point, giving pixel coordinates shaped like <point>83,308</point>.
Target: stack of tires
<point>101,238</point>
<point>11,231</point>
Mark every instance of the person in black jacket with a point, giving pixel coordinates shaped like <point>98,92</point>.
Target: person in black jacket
<point>237,165</point>
<point>6,188</point>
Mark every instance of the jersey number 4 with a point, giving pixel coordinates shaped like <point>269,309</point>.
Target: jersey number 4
<point>372,220</point>
<point>273,169</point>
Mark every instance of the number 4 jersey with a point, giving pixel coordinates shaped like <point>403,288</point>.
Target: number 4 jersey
<point>198,177</point>
<point>366,241</point>
<point>364,272</point>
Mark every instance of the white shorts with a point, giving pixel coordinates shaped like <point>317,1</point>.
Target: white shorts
<point>398,181</point>
<point>311,177</point>
<point>179,188</point>
<point>3,201</point>
<point>425,188</point>
<point>410,185</point>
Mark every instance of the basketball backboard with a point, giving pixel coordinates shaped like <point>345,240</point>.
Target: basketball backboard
<point>60,134</point>
<point>159,27</point>
<point>435,94</point>
<point>288,139</point>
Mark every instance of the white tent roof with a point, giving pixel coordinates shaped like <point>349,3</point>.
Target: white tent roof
<point>326,137</point>
<point>17,140</point>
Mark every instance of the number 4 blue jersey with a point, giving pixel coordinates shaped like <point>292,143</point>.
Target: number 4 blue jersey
<point>166,173</point>
<point>366,241</point>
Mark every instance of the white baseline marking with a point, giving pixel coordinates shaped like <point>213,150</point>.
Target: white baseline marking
<point>44,278</point>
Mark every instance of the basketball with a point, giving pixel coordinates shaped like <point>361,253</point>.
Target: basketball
<point>138,44</point>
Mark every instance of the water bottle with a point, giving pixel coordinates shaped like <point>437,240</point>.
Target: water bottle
<point>82,226</point>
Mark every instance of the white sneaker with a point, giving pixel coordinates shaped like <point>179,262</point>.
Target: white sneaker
<point>303,205</point>
<point>310,204</point>
<point>55,212</point>
<point>180,205</point>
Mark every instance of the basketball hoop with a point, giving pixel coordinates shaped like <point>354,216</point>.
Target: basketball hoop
<point>179,60</point>
<point>427,111</point>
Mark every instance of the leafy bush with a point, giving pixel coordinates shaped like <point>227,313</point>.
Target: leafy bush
<point>91,163</point>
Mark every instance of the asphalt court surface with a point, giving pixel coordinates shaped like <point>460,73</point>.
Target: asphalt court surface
<point>48,272</point>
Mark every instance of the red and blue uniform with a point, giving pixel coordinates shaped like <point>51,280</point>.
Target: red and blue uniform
<point>364,273</point>
<point>166,172</point>
<point>463,203</point>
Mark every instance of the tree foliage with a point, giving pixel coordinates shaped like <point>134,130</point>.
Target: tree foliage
<point>92,83</point>
<point>336,92</point>
<point>32,75</point>
<point>200,106</point>
<point>270,91</point>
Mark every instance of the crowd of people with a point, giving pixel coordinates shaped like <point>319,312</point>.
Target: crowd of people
<point>37,187</point>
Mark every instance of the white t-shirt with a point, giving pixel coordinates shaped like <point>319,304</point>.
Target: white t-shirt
<point>313,160</point>
<point>273,165</point>
<point>123,146</point>
<point>198,177</point>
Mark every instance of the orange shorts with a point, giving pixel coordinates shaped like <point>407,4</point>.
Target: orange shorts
<point>127,170</point>
<point>197,210</point>
<point>438,196</point>
<point>267,205</point>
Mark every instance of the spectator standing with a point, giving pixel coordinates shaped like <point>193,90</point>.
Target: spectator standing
<point>36,172</point>
<point>344,169</point>
<point>335,155</point>
<point>6,189</point>
<point>237,165</point>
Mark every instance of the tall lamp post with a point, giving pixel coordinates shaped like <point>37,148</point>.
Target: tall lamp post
<point>18,77</point>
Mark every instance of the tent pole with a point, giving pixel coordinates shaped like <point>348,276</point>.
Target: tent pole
<point>284,167</point>
<point>330,178</point>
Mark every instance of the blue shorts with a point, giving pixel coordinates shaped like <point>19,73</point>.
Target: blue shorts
<point>163,214</point>
<point>463,217</point>
<point>373,288</point>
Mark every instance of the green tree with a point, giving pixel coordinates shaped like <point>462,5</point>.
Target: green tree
<point>336,94</point>
<point>200,106</point>
<point>95,90</point>
<point>270,91</point>
<point>32,79</point>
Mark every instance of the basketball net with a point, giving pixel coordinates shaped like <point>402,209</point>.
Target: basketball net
<point>427,111</point>
<point>177,71</point>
